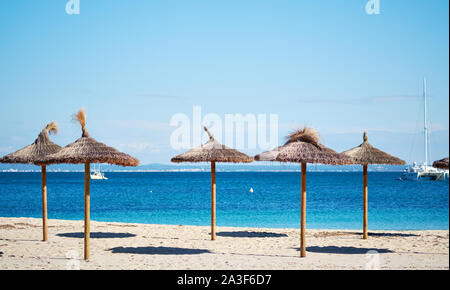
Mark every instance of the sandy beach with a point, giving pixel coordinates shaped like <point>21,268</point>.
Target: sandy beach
<point>142,246</point>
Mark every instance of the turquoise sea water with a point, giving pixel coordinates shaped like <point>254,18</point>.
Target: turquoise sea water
<point>334,199</point>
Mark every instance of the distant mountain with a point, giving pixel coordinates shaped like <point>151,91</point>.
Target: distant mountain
<point>202,167</point>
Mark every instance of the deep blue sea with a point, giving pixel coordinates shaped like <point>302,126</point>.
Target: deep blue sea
<point>334,199</point>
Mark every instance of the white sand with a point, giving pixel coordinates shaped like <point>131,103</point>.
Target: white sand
<point>139,246</point>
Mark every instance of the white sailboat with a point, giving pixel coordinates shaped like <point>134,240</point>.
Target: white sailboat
<point>424,171</point>
<point>97,174</point>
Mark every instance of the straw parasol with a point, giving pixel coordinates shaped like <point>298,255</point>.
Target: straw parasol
<point>442,164</point>
<point>41,147</point>
<point>366,154</point>
<point>303,147</point>
<point>87,150</point>
<point>212,151</point>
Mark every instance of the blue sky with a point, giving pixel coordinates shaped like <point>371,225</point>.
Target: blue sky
<point>133,64</point>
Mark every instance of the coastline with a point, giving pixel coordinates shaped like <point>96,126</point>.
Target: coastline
<point>150,246</point>
<point>199,170</point>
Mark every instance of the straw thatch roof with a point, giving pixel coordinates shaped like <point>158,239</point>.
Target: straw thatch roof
<point>41,147</point>
<point>88,150</point>
<point>367,154</point>
<point>303,146</point>
<point>212,151</point>
<point>442,164</point>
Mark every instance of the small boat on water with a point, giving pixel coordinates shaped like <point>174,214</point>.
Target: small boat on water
<point>424,171</point>
<point>97,174</point>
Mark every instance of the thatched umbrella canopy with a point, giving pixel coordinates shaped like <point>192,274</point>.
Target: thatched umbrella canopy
<point>366,154</point>
<point>41,147</point>
<point>303,147</point>
<point>87,150</point>
<point>442,164</point>
<point>212,151</point>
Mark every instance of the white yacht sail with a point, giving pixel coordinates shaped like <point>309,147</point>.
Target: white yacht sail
<point>424,171</point>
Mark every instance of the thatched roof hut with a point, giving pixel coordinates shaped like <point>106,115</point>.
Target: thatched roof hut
<point>366,154</point>
<point>212,151</point>
<point>40,148</point>
<point>442,164</point>
<point>302,146</point>
<point>87,150</point>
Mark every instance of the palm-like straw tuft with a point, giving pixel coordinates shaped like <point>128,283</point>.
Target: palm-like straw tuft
<point>80,117</point>
<point>52,128</point>
<point>305,134</point>
<point>211,137</point>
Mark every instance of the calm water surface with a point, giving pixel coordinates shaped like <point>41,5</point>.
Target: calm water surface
<point>334,199</point>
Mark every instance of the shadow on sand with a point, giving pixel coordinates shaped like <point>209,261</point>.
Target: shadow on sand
<point>344,250</point>
<point>391,235</point>
<point>97,235</point>
<point>375,235</point>
<point>247,234</point>
<point>157,251</point>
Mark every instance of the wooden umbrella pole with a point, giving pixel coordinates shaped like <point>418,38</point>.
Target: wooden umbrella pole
<point>44,203</point>
<point>365,232</point>
<point>303,213</point>
<point>213,200</point>
<point>87,178</point>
